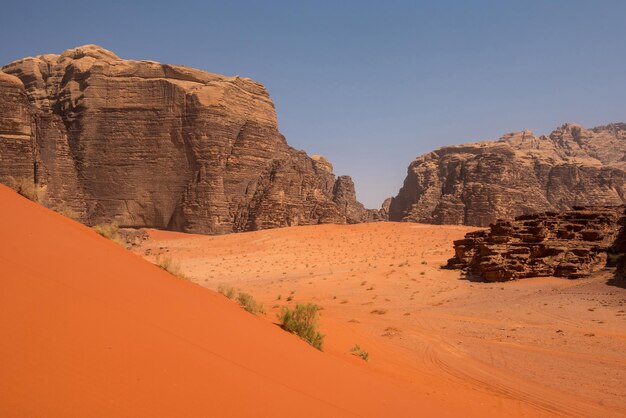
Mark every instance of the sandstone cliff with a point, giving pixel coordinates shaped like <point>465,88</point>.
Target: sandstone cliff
<point>571,244</point>
<point>476,184</point>
<point>153,145</point>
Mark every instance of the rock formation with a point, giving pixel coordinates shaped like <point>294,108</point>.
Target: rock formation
<point>16,136</point>
<point>152,145</point>
<point>572,244</point>
<point>476,184</point>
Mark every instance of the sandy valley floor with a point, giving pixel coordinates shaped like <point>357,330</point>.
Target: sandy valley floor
<point>532,347</point>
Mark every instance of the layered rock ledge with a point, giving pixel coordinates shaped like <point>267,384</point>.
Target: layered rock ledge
<point>572,244</point>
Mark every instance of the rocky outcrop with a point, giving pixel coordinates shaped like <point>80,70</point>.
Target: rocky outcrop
<point>572,244</point>
<point>476,184</point>
<point>344,196</point>
<point>384,208</point>
<point>153,145</point>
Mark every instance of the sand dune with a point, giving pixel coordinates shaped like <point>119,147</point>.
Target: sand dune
<point>536,347</point>
<point>90,329</point>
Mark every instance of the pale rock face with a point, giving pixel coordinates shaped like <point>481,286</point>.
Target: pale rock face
<point>476,184</point>
<point>153,145</point>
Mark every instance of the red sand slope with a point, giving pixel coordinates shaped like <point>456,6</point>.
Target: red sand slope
<point>89,329</point>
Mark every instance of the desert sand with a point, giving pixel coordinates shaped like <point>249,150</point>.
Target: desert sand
<point>534,347</point>
<point>90,329</point>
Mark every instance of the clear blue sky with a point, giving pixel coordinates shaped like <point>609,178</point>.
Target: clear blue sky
<point>369,84</point>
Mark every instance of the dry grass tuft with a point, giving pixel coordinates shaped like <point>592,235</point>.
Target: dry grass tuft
<point>111,231</point>
<point>358,351</point>
<point>248,303</point>
<point>28,188</point>
<point>172,267</point>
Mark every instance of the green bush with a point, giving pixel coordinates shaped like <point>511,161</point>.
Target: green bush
<point>302,321</point>
<point>247,302</point>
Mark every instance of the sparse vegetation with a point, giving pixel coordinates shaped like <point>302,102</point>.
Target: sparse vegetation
<point>38,193</point>
<point>379,311</point>
<point>302,321</point>
<point>358,351</point>
<point>227,291</point>
<point>63,209</point>
<point>247,302</point>
<point>171,266</point>
<point>112,232</point>
<point>28,188</point>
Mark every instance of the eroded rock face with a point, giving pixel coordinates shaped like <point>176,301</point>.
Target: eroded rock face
<point>572,244</point>
<point>153,145</point>
<point>476,184</point>
<point>16,136</point>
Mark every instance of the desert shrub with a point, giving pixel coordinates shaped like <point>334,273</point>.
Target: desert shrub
<point>227,291</point>
<point>63,209</point>
<point>247,302</point>
<point>110,231</point>
<point>171,266</point>
<point>302,321</point>
<point>358,351</point>
<point>27,188</point>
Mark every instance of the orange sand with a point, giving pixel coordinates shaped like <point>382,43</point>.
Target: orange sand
<point>89,329</point>
<point>536,347</point>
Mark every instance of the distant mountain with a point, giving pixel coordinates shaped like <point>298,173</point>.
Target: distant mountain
<point>476,184</point>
